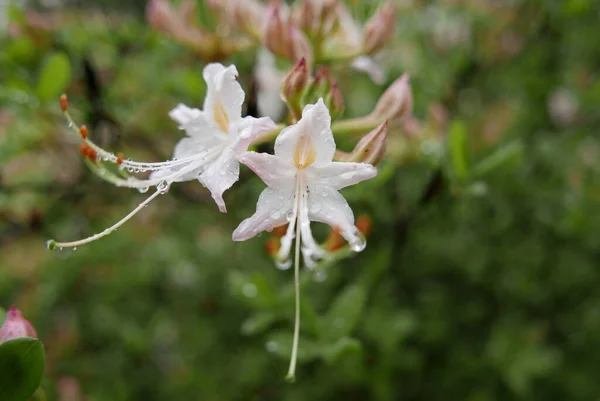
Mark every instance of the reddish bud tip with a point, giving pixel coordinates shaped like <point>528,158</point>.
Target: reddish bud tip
<point>64,102</point>
<point>83,131</point>
<point>15,326</point>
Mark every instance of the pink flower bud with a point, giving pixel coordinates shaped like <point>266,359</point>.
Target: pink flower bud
<point>379,29</point>
<point>160,15</point>
<point>371,148</point>
<point>335,100</point>
<point>396,102</point>
<point>15,326</point>
<point>295,81</point>
<point>276,35</point>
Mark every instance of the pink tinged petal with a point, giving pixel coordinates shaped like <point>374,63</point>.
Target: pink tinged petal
<point>271,169</point>
<point>15,326</point>
<point>220,175</point>
<point>271,211</point>
<point>224,96</point>
<point>251,128</point>
<point>313,128</point>
<point>338,175</point>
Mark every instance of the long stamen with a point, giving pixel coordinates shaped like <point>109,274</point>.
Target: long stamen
<point>112,158</point>
<point>52,244</point>
<point>291,375</point>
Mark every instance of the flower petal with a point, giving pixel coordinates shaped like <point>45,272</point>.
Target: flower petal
<point>220,175</point>
<point>326,205</point>
<point>224,96</point>
<point>250,128</point>
<point>316,125</point>
<point>270,169</point>
<point>339,175</point>
<point>271,211</point>
<point>191,120</point>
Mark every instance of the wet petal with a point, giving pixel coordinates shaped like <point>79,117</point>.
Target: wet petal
<point>314,127</point>
<point>220,175</point>
<point>271,169</point>
<point>326,205</point>
<point>338,175</point>
<point>224,96</point>
<point>271,211</point>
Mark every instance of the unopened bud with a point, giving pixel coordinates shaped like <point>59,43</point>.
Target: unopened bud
<point>159,14</point>
<point>364,224</point>
<point>295,81</point>
<point>335,100</point>
<point>15,326</point>
<point>379,29</point>
<point>301,47</point>
<point>276,35</point>
<point>396,102</point>
<point>334,241</point>
<point>319,86</point>
<point>370,149</point>
<point>272,246</point>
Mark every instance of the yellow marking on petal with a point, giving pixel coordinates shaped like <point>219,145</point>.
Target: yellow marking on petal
<point>305,153</point>
<point>220,116</point>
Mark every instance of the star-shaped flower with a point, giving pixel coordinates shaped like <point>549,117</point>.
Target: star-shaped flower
<point>216,135</point>
<point>303,183</point>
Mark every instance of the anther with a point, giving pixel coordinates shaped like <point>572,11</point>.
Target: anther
<point>87,151</point>
<point>64,102</point>
<point>83,131</point>
<point>120,157</point>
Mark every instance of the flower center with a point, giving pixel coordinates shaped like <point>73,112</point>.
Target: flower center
<point>305,153</point>
<point>220,116</point>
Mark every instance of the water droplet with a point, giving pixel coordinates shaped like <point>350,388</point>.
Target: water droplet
<point>70,124</point>
<point>143,190</point>
<point>275,215</point>
<point>289,216</point>
<point>249,290</point>
<point>359,242</point>
<point>163,187</point>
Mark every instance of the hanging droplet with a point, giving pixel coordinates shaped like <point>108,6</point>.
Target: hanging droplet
<point>358,243</point>
<point>143,190</point>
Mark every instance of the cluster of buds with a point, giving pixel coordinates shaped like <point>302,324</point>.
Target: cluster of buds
<point>16,326</point>
<point>316,30</point>
<point>298,90</point>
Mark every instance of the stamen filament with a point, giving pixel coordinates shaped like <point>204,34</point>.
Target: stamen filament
<point>111,157</point>
<point>110,229</point>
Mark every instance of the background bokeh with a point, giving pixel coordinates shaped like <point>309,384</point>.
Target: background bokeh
<point>480,278</point>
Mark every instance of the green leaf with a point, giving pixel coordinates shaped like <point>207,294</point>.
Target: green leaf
<point>54,77</point>
<point>2,316</point>
<point>21,368</point>
<point>332,352</point>
<point>506,155</point>
<point>345,312</point>
<point>457,141</point>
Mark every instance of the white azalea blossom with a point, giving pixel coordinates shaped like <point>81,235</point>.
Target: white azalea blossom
<point>216,135</point>
<point>303,183</point>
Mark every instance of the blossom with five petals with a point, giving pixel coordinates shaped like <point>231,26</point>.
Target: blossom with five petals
<point>216,135</point>
<point>303,183</point>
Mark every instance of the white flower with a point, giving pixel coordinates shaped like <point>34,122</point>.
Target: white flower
<point>303,184</point>
<point>216,135</point>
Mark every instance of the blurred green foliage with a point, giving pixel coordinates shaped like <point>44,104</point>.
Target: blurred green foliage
<point>479,281</point>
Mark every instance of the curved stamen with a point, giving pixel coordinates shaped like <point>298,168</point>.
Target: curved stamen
<point>111,157</point>
<point>109,230</point>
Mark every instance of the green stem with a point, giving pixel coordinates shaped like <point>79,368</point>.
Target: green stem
<point>291,376</point>
<point>354,126</point>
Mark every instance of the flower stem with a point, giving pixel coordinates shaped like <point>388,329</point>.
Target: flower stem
<point>291,376</point>
<point>354,126</point>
